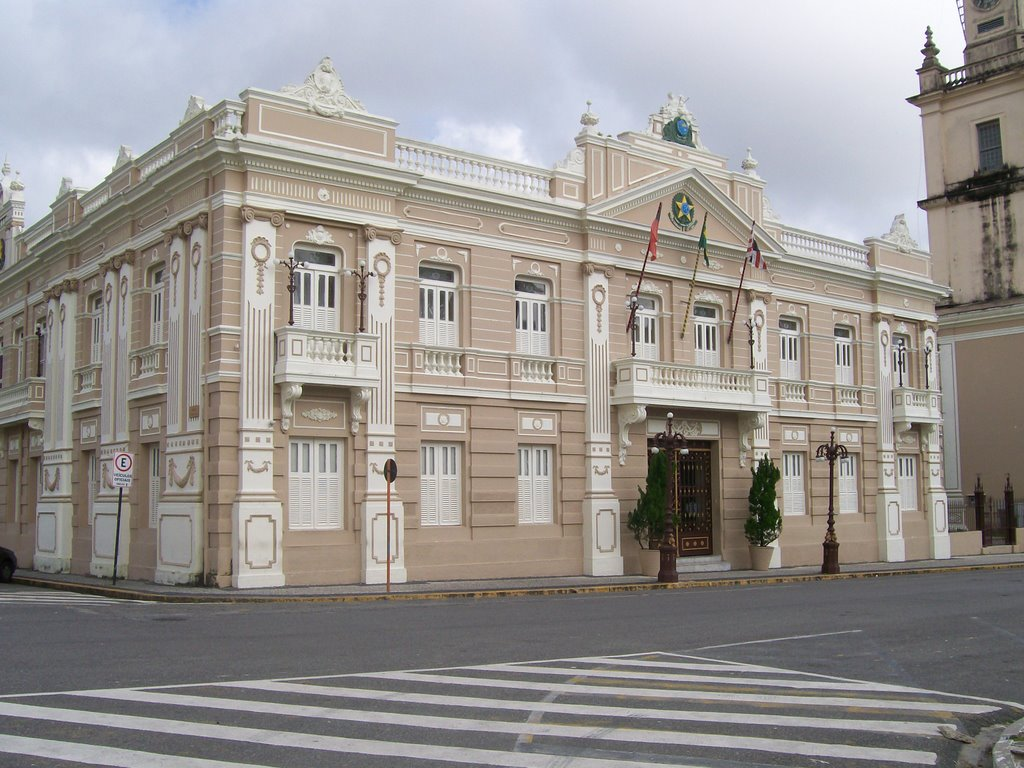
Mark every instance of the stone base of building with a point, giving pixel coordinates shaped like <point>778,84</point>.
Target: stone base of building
<point>256,544</point>
<point>602,555</point>
<point>53,537</point>
<point>376,542</point>
<point>179,543</point>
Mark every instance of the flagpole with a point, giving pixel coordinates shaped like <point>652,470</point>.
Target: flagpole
<point>634,298</point>
<point>743,272</point>
<point>693,278</point>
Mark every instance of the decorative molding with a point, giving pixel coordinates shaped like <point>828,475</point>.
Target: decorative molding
<point>289,394</point>
<point>748,424</point>
<point>590,268</point>
<point>181,480</point>
<point>320,236</point>
<point>260,249</point>
<point>320,415</point>
<point>55,291</point>
<point>628,414</point>
<point>251,467</point>
<point>324,93</point>
<point>599,295</point>
<point>248,213</point>
<point>108,482</point>
<point>51,486</point>
<point>381,268</point>
<point>114,263</point>
<point>359,398</point>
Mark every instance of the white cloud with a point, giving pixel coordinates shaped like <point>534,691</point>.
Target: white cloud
<point>494,140</point>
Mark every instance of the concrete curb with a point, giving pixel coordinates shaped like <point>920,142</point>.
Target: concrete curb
<point>209,595</point>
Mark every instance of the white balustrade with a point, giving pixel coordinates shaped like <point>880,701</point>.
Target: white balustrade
<point>537,371</point>
<point>815,246</point>
<point>442,362</point>
<point>473,169</point>
<point>847,395</point>
<point>155,163</point>
<point>793,391</point>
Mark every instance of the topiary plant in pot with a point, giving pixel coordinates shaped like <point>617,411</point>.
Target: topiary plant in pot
<point>647,520</point>
<point>764,523</point>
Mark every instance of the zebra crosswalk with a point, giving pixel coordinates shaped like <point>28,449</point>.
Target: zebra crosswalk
<point>593,712</point>
<point>30,596</point>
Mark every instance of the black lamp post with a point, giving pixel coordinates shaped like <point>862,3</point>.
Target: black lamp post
<point>675,444</point>
<point>750,341</point>
<point>928,349</point>
<point>360,275</point>
<point>901,358</point>
<point>41,349</point>
<point>829,452</point>
<point>291,264</point>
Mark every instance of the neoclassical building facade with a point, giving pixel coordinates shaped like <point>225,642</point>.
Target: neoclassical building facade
<point>284,295</point>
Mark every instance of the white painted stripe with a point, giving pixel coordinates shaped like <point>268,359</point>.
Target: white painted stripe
<point>780,639</point>
<point>593,710</point>
<point>723,666</point>
<point>111,757</point>
<point>339,744</point>
<point>576,672</point>
<point>662,693</point>
<point>554,730</point>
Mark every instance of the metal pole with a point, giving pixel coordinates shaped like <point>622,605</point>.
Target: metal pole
<point>388,523</point>
<point>117,534</point>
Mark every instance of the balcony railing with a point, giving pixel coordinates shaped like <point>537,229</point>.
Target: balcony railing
<point>149,361</point>
<point>88,378</point>
<point>793,391</point>
<point>478,170</point>
<point>23,401</point>
<point>983,69</point>
<point>323,357</point>
<point>647,382</point>
<point>536,371</point>
<point>916,406</point>
<point>824,248</point>
<point>442,362</point>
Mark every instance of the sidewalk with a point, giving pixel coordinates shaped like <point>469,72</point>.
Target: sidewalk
<point>555,585</point>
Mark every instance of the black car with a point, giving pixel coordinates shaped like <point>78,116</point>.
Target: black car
<point>8,564</point>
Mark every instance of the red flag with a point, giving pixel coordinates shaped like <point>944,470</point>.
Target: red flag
<point>652,244</point>
<point>754,255</point>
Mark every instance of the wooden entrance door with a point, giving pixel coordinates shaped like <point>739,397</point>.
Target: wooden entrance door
<point>694,532</point>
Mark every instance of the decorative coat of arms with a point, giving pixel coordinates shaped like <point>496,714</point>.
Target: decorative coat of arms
<point>683,213</point>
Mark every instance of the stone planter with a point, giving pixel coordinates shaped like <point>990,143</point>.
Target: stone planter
<point>761,557</point>
<point>650,562</point>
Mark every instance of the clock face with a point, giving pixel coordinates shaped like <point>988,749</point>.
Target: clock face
<point>985,5</point>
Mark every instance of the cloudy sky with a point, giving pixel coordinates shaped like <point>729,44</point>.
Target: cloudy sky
<point>816,88</point>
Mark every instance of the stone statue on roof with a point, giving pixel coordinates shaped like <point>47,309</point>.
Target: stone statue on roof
<point>324,92</point>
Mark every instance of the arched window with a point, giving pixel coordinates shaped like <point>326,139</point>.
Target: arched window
<point>315,301</point>
<point>645,328</point>
<point>705,336</point>
<point>789,348</point>
<point>844,355</point>
<point>532,328</point>
<point>438,326</point>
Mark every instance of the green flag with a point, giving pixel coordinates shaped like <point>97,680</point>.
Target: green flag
<point>702,244</point>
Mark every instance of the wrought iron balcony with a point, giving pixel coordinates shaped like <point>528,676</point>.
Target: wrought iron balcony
<point>647,382</point>
<point>322,357</point>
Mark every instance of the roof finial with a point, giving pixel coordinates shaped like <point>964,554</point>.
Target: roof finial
<point>930,51</point>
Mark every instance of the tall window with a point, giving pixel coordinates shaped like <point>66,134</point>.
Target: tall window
<point>906,479</point>
<point>844,355</point>
<point>314,484</point>
<point>437,307</point>
<point>847,467</point>
<point>156,304</point>
<point>534,497</point>
<point>900,360</point>
<point>789,348</point>
<point>532,335</point>
<point>990,146</point>
<point>793,499</point>
<point>705,336</point>
<point>1,361</point>
<point>315,301</point>
<point>440,498</point>
<point>96,320</point>
<point>155,484</point>
<point>19,351</point>
<point>645,329</point>
<point>93,481</point>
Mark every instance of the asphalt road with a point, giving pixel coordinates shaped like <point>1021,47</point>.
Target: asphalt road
<point>956,633</point>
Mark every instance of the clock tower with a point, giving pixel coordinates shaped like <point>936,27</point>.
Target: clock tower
<point>992,28</point>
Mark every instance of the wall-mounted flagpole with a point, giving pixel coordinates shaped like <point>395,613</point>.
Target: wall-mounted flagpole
<point>634,298</point>
<point>702,245</point>
<point>743,273</point>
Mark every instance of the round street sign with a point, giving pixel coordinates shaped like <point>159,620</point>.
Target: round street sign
<point>390,470</point>
<point>123,462</point>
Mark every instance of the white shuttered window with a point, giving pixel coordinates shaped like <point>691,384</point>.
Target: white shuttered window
<point>155,484</point>
<point>315,302</point>
<point>437,307</point>
<point>645,329</point>
<point>793,499</point>
<point>535,488</point>
<point>847,468</point>
<point>705,336</point>
<point>906,479</point>
<point>440,494</point>
<point>789,348</point>
<point>532,335</point>
<point>844,355</point>
<point>314,484</point>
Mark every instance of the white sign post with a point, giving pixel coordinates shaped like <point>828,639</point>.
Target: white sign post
<point>124,464</point>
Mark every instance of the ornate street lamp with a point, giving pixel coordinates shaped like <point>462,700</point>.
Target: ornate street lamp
<point>829,452</point>
<point>41,349</point>
<point>901,358</point>
<point>360,275</point>
<point>675,444</point>
<point>291,264</point>
<point>928,349</point>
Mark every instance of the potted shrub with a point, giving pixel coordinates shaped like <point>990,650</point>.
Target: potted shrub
<point>647,520</point>
<point>764,523</point>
